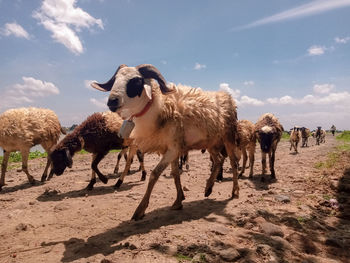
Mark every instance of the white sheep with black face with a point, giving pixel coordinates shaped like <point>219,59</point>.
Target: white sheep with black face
<point>172,120</point>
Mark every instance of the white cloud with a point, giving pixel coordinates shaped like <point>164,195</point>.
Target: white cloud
<point>248,83</point>
<point>323,88</point>
<point>316,50</point>
<point>342,40</point>
<point>309,9</point>
<point>64,20</point>
<point>198,66</point>
<point>100,103</point>
<point>234,93</point>
<point>245,100</point>
<point>27,92</point>
<point>14,29</point>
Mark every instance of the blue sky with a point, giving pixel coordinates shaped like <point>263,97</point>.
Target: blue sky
<point>288,57</point>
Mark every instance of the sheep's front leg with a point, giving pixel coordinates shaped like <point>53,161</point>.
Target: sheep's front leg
<point>251,151</point>
<point>92,182</point>
<point>180,194</point>
<point>25,154</point>
<point>263,164</point>
<point>245,157</point>
<point>4,167</point>
<point>140,156</point>
<point>96,161</point>
<point>168,157</point>
<point>272,163</point>
<point>217,162</point>
<point>48,163</point>
<point>121,153</point>
<point>230,149</point>
<point>132,151</point>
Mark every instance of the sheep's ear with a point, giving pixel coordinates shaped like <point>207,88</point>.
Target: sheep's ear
<point>107,86</point>
<point>69,158</point>
<point>150,71</point>
<point>148,91</point>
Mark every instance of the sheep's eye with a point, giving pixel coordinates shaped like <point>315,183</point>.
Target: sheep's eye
<point>134,87</point>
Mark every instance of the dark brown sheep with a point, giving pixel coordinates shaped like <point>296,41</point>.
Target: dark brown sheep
<point>98,134</point>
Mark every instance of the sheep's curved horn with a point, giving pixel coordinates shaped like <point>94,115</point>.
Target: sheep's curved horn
<point>109,84</point>
<point>150,71</point>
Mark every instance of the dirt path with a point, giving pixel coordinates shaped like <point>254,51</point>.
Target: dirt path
<point>294,219</point>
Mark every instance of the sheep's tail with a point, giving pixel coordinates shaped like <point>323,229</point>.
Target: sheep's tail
<point>63,130</point>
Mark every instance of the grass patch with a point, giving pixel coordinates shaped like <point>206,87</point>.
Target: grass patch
<point>16,157</point>
<point>181,257</point>
<point>285,136</point>
<point>344,136</point>
<point>332,159</point>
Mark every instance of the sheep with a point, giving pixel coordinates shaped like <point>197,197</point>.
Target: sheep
<point>268,131</point>
<point>320,135</point>
<point>323,136</point>
<point>21,129</point>
<point>98,134</point>
<point>305,134</point>
<point>247,141</point>
<point>294,139</point>
<point>333,129</point>
<point>171,120</point>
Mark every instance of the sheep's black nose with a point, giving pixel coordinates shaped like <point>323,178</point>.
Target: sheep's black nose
<point>113,104</point>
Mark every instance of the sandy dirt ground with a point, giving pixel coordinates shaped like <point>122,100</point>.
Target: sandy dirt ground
<point>304,216</point>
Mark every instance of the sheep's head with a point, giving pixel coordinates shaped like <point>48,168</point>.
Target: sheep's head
<point>265,136</point>
<point>61,158</point>
<point>130,88</point>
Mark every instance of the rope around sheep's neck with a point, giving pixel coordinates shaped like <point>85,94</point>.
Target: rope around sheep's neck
<point>145,109</point>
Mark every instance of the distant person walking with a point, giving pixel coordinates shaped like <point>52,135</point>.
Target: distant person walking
<point>333,129</point>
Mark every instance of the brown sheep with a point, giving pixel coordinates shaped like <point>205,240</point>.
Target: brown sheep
<point>294,139</point>
<point>268,131</point>
<point>21,129</point>
<point>247,142</point>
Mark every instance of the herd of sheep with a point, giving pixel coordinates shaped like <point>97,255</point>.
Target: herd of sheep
<point>167,119</point>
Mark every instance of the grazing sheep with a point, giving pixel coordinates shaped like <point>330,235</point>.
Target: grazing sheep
<point>21,129</point>
<point>247,141</point>
<point>268,131</point>
<point>98,134</point>
<point>294,139</point>
<point>305,134</point>
<point>172,120</point>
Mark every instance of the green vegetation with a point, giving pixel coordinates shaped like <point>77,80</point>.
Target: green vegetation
<point>182,258</point>
<point>344,136</point>
<point>333,157</point>
<point>285,135</point>
<point>16,157</point>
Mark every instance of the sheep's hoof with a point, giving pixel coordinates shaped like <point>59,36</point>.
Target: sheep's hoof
<point>139,168</point>
<point>262,179</point>
<point>235,196</point>
<point>118,184</point>
<point>208,191</point>
<point>240,175</point>
<point>187,167</point>
<point>33,182</point>
<point>176,206</point>
<point>143,177</point>
<point>43,178</point>
<point>91,184</point>
<point>104,179</point>
<point>137,216</point>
